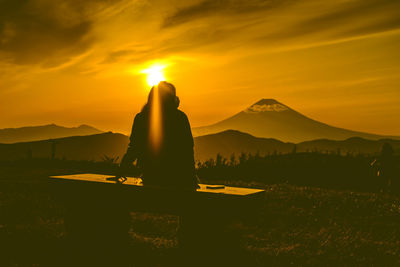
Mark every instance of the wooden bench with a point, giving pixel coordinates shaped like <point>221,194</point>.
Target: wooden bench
<point>95,201</point>
<point>149,198</point>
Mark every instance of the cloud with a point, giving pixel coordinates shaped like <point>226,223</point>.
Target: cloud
<point>272,23</point>
<point>352,19</point>
<point>51,33</point>
<point>220,7</point>
<point>46,32</point>
<point>305,23</point>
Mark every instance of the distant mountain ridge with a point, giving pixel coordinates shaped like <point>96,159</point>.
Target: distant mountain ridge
<point>95,147</point>
<point>43,132</point>
<point>269,118</point>
<point>89,147</point>
<point>234,142</point>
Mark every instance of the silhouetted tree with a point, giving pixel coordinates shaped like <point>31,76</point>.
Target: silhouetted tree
<point>232,160</point>
<point>316,169</point>
<point>242,158</point>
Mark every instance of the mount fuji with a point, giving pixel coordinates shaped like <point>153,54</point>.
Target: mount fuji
<point>269,118</point>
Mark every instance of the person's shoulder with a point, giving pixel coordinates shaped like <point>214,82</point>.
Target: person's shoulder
<point>181,114</point>
<point>140,114</point>
<point>139,117</point>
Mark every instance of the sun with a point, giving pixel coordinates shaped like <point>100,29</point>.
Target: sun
<point>155,74</point>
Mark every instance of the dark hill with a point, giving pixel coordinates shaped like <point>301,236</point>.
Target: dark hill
<point>91,147</point>
<point>51,131</point>
<point>94,147</point>
<point>228,142</point>
<point>352,145</point>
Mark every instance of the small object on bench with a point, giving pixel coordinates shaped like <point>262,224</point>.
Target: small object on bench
<point>215,186</point>
<point>117,179</point>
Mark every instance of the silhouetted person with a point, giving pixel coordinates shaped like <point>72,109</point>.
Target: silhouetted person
<point>161,141</point>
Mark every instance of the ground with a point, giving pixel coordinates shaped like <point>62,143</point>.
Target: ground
<point>297,225</point>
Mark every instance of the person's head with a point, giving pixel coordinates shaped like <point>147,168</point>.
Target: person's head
<point>166,94</point>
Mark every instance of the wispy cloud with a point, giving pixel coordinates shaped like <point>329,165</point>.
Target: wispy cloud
<point>51,33</point>
<point>47,32</point>
<point>208,8</point>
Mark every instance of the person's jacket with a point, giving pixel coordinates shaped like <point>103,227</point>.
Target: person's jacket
<point>172,164</point>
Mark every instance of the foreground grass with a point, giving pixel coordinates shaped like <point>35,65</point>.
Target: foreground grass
<point>297,225</point>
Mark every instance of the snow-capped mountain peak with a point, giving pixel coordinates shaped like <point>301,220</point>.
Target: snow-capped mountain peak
<point>266,105</point>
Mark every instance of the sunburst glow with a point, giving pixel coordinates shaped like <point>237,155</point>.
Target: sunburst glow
<point>155,74</point>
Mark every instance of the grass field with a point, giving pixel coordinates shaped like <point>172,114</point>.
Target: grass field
<point>297,226</point>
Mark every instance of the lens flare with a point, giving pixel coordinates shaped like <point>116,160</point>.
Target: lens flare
<point>155,74</point>
<point>155,121</point>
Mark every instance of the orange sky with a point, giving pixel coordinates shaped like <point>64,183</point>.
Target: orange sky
<point>75,62</point>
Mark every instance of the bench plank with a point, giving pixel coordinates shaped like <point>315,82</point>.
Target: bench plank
<point>137,182</point>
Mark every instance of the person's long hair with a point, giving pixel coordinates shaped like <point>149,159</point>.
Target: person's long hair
<point>159,112</point>
<point>167,97</point>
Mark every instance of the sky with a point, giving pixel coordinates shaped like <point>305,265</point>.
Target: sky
<point>81,62</point>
